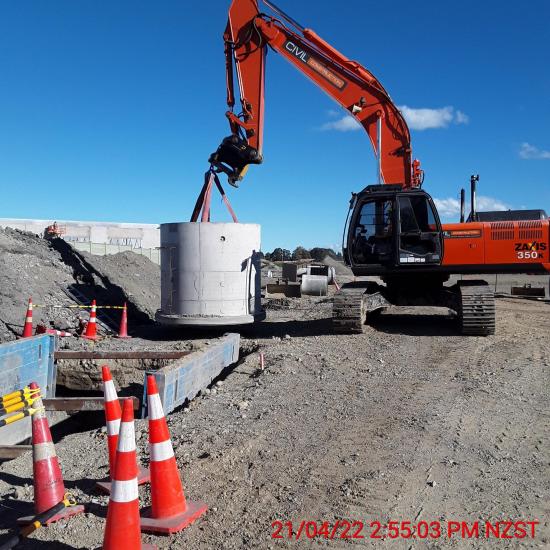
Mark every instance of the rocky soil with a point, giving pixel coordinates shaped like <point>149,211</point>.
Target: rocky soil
<point>408,421</point>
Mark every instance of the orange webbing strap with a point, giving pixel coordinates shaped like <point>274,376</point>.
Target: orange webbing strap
<point>199,205</point>
<point>225,199</point>
<point>205,198</point>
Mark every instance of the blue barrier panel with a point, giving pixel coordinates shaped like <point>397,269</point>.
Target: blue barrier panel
<point>22,362</point>
<point>25,361</point>
<point>184,378</point>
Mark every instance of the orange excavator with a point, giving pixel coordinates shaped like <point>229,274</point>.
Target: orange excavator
<point>393,228</point>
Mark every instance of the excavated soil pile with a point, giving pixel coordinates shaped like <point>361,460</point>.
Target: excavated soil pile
<point>29,266</point>
<point>54,274</point>
<point>137,277</point>
<point>339,268</point>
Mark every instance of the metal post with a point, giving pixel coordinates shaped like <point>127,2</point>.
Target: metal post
<point>473,204</point>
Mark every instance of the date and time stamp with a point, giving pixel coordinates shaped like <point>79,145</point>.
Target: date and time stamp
<point>349,529</point>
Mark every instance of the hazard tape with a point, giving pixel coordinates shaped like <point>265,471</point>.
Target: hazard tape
<point>77,306</point>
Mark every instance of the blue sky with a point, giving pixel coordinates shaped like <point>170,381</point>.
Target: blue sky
<point>109,110</point>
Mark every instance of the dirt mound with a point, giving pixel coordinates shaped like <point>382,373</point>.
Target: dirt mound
<point>53,273</point>
<point>339,267</point>
<point>137,277</point>
<point>29,266</point>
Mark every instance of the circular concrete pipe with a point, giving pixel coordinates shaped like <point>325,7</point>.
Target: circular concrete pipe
<point>210,274</point>
<point>314,285</point>
<point>330,271</point>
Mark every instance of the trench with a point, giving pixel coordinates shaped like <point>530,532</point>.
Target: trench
<point>82,378</point>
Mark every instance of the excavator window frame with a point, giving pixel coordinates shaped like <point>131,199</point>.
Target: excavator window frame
<point>393,196</point>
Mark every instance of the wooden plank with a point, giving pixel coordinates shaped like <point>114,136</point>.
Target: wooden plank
<point>13,451</point>
<point>67,354</point>
<point>528,291</point>
<point>78,403</point>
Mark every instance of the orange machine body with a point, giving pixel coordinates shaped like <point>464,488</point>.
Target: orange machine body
<point>497,247</point>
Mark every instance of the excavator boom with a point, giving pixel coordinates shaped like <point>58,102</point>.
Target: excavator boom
<point>357,90</point>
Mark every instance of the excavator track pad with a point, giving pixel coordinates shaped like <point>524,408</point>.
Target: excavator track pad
<point>476,312</point>
<point>349,310</point>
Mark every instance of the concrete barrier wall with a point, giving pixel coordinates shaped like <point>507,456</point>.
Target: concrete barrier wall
<point>22,362</point>
<point>132,235</point>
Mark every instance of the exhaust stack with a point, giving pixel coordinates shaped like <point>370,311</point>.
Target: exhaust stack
<point>473,210</point>
<point>462,204</point>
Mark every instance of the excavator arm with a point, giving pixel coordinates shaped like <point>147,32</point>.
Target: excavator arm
<point>247,36</point>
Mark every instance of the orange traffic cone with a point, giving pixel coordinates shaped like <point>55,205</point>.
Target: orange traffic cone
<point>113,414</point>
<point>49,489</point>
<point>122,527</point>
<point>169,511</point>
<point>123,330</point>
<point>27,329</point>
<point>91,328</point>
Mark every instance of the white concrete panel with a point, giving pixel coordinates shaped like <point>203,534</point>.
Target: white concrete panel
<point>138,235</point>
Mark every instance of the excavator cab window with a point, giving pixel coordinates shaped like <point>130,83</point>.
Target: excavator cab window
<point>396,229</point>
<point>420,230</point>
<point>374,233</point>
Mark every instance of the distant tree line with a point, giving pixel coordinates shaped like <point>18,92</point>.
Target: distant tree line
<point>300,253</point>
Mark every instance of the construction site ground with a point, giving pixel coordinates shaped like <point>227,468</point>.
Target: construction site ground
<point>408,421</point>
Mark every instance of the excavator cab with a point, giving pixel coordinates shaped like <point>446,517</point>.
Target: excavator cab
<point>391,227</point>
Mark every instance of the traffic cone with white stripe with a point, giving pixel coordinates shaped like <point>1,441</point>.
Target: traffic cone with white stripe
<point>122,527</point>
<point>91,328</point>
<point>42,329</point>
<point>27,328</point>
<point>49,488</point>
<point>170,512</point>
<point>113,414</point>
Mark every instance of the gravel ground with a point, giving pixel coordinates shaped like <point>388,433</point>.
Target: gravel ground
<point>408,421</point>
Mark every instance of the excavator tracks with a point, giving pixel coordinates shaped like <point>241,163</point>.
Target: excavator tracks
<point>476,310</point>
<point>348,310</point>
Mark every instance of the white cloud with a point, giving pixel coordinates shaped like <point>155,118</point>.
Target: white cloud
<point>417,119</point>
<point>447,207</point>
<point>450,207</point>
<point>528,151</point>
<point>489,203</point>
<point>345,124</point>
<point>461,118</point>
<point>425,119</point>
